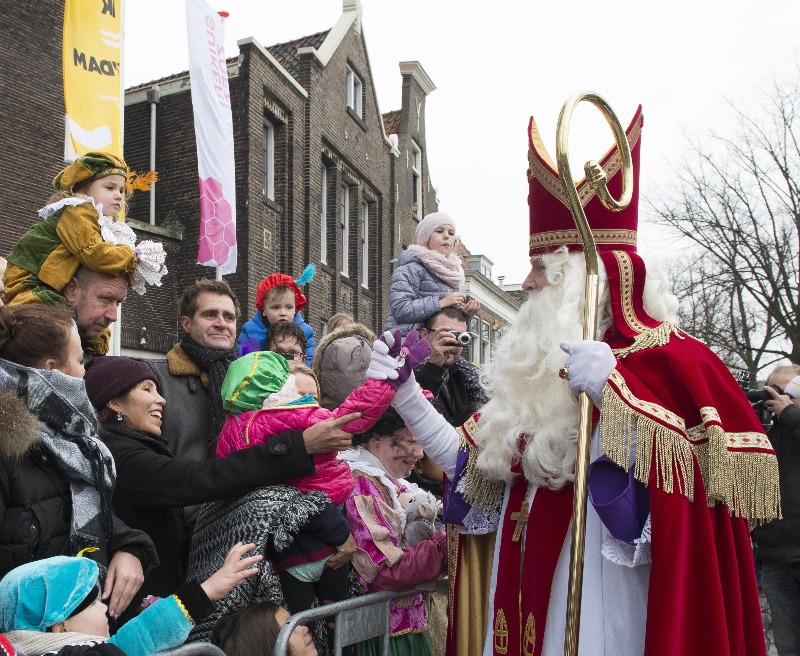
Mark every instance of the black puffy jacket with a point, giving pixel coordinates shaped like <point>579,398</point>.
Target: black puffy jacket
<point>35,499</point>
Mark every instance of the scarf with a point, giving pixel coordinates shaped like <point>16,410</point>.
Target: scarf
<point>68,430</point>
<point>215,363</point>
<point>447,269</point>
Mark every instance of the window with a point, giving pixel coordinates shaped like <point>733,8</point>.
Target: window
<point>269,160</point>
<point>486,342</point>
<point>416,181</point>
<point>323,215</point>
<point>344,227</point>
<point>355,91</point>
<point>365,246</point>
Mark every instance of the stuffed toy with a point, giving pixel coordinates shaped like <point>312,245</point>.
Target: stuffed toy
<point>421,509</point>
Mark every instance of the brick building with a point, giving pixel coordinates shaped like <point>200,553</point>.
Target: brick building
<point>318,178</point>
<point>31,112</point>
<point>322,176</point>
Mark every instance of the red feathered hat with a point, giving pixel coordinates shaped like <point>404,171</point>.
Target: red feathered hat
<point>279,280</point>
<point>552,224</point>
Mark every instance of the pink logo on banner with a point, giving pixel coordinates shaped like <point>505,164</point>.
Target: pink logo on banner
<point>217,226</point>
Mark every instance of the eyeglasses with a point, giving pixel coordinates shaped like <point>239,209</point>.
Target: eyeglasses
<point>290,356</point>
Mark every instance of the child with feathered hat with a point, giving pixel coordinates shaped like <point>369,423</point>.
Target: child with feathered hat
<point>279,299</point>
<point>80,228</point>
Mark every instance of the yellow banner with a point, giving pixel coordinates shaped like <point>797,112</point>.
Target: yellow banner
<point>92,54</point>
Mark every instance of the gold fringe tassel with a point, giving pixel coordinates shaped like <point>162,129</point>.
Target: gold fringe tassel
<point>476,489</point>
<point>747,482</point>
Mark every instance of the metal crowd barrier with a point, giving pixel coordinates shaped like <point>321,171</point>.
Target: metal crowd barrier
<point>357,619</point>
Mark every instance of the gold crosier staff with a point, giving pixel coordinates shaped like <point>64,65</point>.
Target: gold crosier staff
<point>597,178</point>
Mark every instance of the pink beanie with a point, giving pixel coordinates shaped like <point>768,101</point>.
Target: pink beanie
<point>429,224</point>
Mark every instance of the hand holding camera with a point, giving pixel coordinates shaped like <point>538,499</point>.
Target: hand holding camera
<point>446,345</point>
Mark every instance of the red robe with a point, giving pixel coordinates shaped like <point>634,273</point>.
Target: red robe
<point>709,469</point>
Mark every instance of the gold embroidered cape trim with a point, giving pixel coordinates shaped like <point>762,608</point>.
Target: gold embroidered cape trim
<point>477,490</point>
<point>658,336</point>
<point>626,283</point>
<point>738,469</point>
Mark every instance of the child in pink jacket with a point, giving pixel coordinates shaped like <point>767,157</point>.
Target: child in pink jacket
<point>262,398</point>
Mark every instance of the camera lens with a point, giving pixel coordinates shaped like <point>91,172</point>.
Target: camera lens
<point>463,339</point>
<point>756,395</point>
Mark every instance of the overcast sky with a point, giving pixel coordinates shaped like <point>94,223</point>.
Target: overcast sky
<point>497,63</point>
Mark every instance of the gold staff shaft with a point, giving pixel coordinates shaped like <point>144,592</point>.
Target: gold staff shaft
<point>597,179</point>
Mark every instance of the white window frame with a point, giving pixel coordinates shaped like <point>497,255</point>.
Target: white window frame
<point>268,151</point>
<point>416,179</point>
<point>486,341</point>
<point>323,215</point>
<point>365,246</point>
<point>355,92</point>
<point>344,227</point>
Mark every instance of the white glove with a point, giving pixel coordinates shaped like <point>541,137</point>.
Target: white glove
<point>589,364</point>
<point>382,366</point>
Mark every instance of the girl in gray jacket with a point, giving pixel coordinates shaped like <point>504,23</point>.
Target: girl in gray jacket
<point>428,276</point>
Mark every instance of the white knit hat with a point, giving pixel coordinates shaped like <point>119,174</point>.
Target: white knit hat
<point>429,224</point>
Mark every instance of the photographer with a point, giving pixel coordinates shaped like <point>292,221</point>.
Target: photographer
<point>778,543</point>
<point>452,380</point>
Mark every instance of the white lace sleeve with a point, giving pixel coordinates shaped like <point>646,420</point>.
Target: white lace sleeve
<point>479,522</point>
<point>628,555</point>
<point>70,201</point>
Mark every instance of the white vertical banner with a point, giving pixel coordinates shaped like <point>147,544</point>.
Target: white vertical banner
<point>213,128</point>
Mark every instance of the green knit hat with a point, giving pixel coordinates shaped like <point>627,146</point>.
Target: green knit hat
<point>251,379</point>
<point>90,165</point>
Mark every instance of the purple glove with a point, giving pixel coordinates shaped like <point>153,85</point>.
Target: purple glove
<point>409,355</point>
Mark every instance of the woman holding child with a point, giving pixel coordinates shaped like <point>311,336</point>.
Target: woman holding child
<point>152,485</point>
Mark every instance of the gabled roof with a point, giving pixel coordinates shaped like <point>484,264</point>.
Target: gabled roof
<point>391,122</point>
<point>230,61</point>
<point>286,53</point>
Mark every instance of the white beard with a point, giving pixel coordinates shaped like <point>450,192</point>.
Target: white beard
<point>532,416</point>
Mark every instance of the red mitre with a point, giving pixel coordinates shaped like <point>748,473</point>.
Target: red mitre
<point>552,226</point>
<point>279,280</point>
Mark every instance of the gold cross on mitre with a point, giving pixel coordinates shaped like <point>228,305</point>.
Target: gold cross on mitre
<point>521,517</point>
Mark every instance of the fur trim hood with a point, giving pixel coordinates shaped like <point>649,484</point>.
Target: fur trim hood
<point>20,426</point>
<point>357,329</point>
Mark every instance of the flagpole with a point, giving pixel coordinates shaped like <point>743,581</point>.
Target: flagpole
<point>115,345</point>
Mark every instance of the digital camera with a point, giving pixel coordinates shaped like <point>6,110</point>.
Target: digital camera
<point>463,339</point>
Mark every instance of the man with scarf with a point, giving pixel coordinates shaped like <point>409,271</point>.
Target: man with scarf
<point>190,379</point>
<point>679,462</point>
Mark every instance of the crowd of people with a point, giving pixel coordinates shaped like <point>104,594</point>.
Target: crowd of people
<point>246,476</point>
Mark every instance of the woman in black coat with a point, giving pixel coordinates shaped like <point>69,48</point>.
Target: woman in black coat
<point>56,477</point>
<point>153,485</point>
